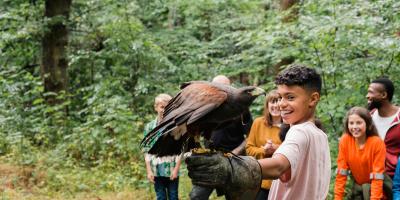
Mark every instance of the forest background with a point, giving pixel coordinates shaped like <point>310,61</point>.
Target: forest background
<point>78,77</point>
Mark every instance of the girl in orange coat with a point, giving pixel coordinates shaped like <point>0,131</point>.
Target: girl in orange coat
<point>362,153</point>
<point>263,138</point>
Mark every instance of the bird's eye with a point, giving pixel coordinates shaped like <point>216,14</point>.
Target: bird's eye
<point>248,91</point>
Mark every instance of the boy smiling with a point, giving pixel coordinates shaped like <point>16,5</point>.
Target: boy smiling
<point>302,162</point>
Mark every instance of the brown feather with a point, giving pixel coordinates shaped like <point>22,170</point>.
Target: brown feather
<point>198,108</point>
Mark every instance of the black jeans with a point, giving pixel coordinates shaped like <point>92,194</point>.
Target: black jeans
<point>262,194</point>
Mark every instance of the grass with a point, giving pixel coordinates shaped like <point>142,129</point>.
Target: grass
<point>28,183</point>
<point>69,182</point>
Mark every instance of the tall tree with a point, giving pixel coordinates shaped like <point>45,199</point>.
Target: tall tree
<point>54,57</point>
<point>287,5</point>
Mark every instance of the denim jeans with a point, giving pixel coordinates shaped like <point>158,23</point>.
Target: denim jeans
<point>164,188</point>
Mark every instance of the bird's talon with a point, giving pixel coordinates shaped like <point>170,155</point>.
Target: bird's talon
<point>202,151</point>
<point>229,155</point>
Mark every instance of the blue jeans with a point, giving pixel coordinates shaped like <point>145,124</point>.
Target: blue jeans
<point>165,187</point>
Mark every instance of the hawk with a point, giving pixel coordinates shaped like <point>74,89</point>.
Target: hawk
<point>197,109</point>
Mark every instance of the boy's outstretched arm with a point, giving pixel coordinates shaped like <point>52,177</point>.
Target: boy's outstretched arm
<point>232,174</point>
<point>273,168</point>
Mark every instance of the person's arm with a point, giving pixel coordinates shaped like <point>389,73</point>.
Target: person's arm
<point>175,171</point>
<point>150,175</point>
<point>239,150</point>
<point>342,171</point>
<point>246,124</point>
<point>377,170</point>
<point>236,174</point>
<point>273,168</point>
<point>286,157</point>
<point>251,148</point>
<point>396,182</point>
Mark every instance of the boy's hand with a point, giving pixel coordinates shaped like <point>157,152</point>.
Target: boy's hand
<point>233,175</point>
<point>285,177</point>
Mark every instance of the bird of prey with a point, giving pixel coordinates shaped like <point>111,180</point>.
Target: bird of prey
<point>196,110</point>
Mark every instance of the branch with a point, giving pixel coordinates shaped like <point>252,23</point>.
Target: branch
<point>385,71</point>
<point>332,119</point>
<point>320,66</point>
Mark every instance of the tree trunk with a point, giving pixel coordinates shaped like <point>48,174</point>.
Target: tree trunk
<point>171,16</point>
<point>293,15</point>
<point>294,12</point>
<point>54,57</point>
<point>286,4</point>
<point>285,61</point>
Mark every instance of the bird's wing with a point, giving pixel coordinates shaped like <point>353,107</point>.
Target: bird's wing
<point>183,98</point>
<point>206,108</point>
<point>183,85</point>
<point>194,101</point>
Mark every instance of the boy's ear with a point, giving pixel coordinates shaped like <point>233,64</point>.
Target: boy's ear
<point>314,98</point>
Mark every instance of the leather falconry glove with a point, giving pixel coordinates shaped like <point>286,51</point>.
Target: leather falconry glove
<point>238,177</point>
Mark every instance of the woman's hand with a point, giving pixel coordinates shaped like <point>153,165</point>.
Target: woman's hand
<point>269,148</point>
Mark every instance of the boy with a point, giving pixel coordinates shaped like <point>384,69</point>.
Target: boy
<point>163,172</point>
<point>302,162</point>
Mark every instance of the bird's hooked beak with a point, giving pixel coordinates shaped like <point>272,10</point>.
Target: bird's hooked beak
<point>258,91</point>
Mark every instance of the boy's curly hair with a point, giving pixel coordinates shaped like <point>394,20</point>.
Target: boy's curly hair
<point>300,75</point>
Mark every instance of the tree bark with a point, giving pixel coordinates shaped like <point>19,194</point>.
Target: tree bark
<point>54,43</point>
<point>294,12</point>
<point>286,4</point>
<point>293,15</point>
<point>171,16</point>
<point>285,61</point>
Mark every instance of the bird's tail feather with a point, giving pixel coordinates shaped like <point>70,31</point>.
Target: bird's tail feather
<point>162,129</point>
<point>169,146</point>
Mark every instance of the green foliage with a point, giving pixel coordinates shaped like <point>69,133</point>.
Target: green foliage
<point>109,130</point>
<point>24,112</point>
<point>123,53</point>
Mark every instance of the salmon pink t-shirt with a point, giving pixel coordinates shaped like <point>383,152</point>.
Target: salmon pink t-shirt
<point>307,149</point>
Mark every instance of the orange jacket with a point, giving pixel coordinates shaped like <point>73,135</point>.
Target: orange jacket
<point>366,165</point>
<point>258,136</point>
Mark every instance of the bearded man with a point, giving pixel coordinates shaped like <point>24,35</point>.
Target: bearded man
<point>386,117</point>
